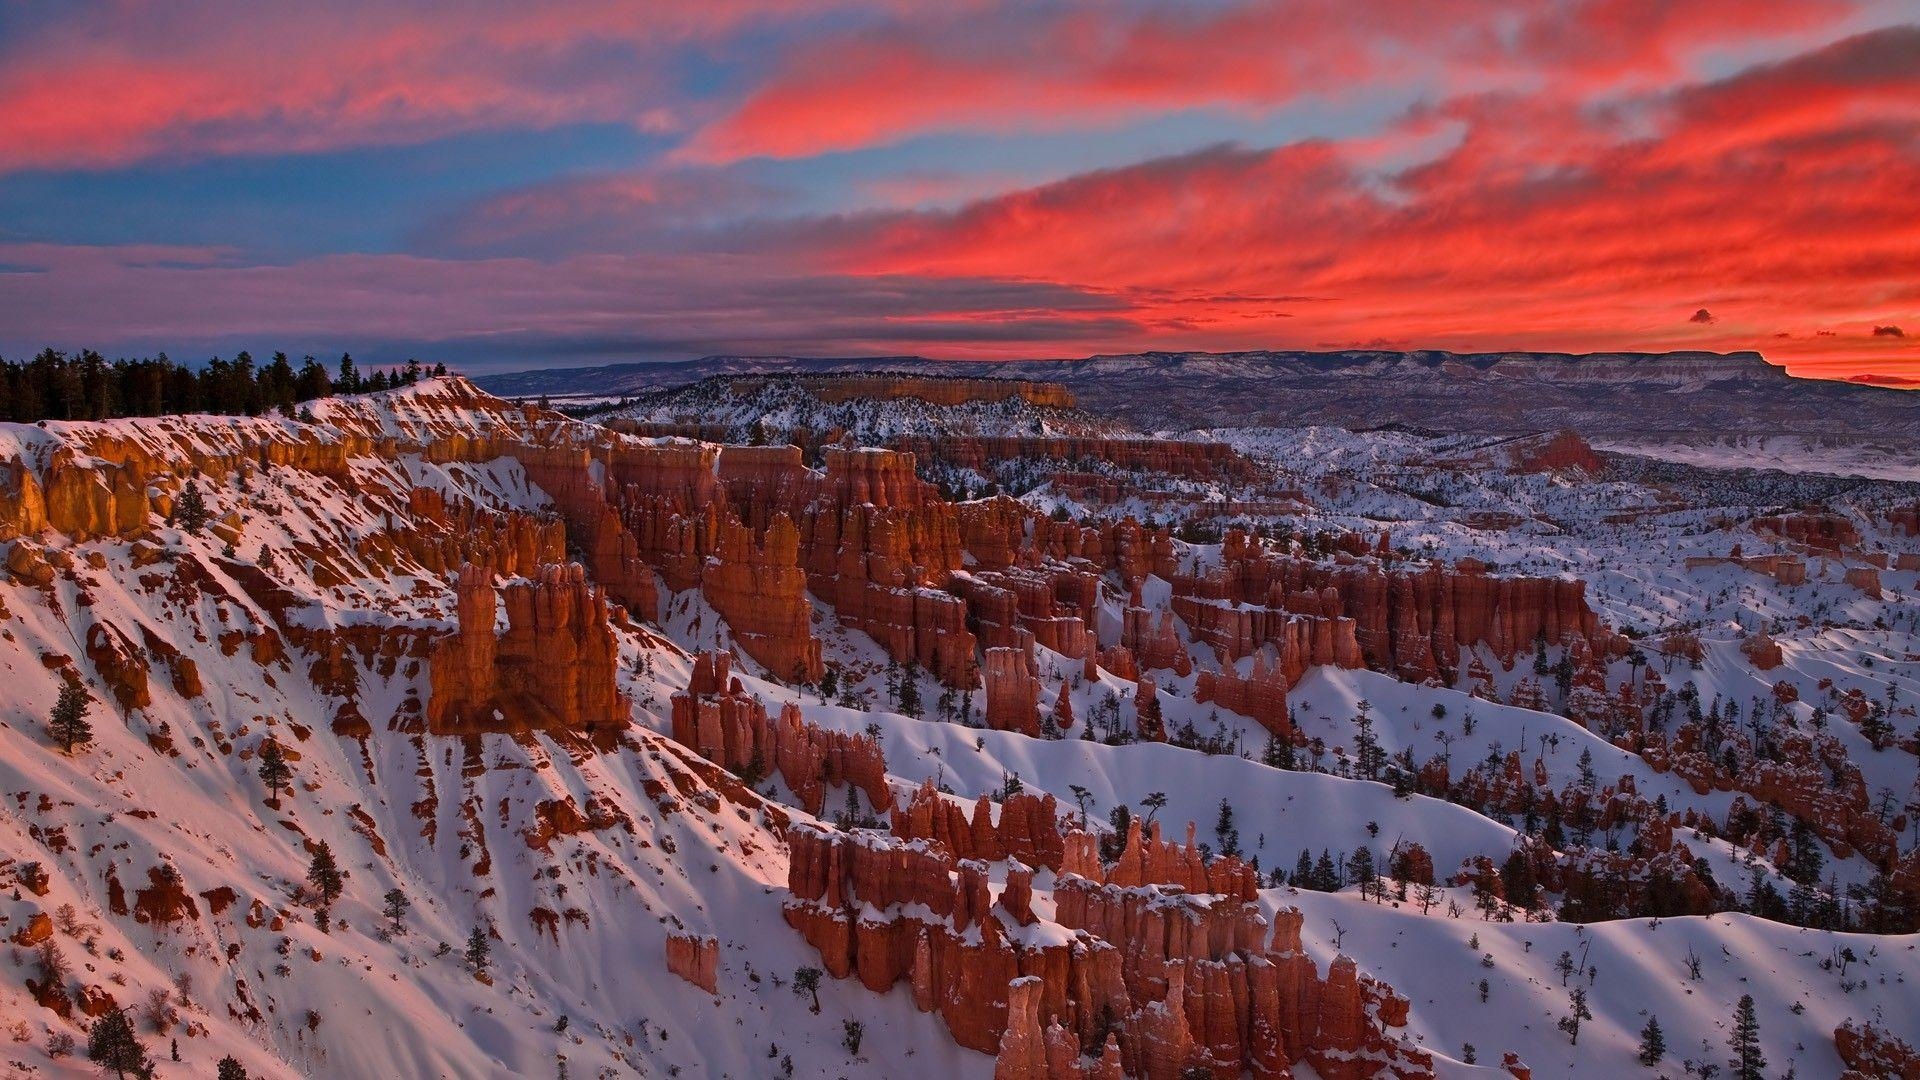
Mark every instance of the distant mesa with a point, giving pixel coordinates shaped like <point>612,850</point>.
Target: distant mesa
<point>1506,393</point>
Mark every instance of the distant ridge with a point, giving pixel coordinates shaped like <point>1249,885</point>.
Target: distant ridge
<point>1674,393</point>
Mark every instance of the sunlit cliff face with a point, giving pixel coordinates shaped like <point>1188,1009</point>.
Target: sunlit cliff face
<point>505,186</point>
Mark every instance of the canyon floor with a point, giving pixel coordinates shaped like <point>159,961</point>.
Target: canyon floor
<point>846,725</point>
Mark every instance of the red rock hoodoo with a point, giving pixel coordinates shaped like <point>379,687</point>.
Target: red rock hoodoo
<point>1191,977</point>
<point>695,959</point>
<point>552,670</point>
<point>725,724</point>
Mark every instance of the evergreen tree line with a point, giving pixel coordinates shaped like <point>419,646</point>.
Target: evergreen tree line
<point>86,386</point>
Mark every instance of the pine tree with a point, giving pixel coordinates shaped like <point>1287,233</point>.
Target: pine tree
<point>325,875</point>
<point>1326,878</point>
<point>910,691</point>
<point>1748,1062</point>
<point>479,951</point>
<point>1366,745</point>
<point>396,910</point>
<point>231,1069</point>
<point>190,512</point>
<point>312,382</point>
<point>1360,869</point>
<point>68,723</point>
<point>1570,1023</point>
<point>112,1044</point>
<point>274,770</point>
<point>1278,753</point>
<point>806,980</point>
<point>1564,966</point>
<point>1225,832</point>
<point>1653,1043</point>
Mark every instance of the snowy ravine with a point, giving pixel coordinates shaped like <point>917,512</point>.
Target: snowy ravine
<point>173,881</point>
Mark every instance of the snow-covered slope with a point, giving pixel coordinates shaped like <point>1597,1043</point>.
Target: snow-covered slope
<point>174,882</point>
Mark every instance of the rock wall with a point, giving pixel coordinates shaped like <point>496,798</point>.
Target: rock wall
<point>870,538</point>
<point>611,553</point>
<point>1027,828</point>
<point>695,959</point>
<point>1811,531</point>
<point>1261,694</point>
<point>761,592</point>
<point>1409,622</point>
<point>552,670</point>
<point>720,721</point>
<point>1785,569</point>
<point>1153,639</point>
<point>1013,691</point>
<point>1192,981</point>
<point>1872,1054</point>
<point>1055,605</point>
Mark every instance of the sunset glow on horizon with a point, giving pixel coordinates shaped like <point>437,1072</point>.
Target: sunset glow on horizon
<point>505,186</point>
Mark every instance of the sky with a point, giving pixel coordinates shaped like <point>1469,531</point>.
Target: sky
<point>502,185</point>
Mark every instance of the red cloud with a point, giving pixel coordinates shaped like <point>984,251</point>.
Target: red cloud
<point>122,83</point>
<point>1541,228</point>
<point>1021,70</point>
<point>1782,195</point>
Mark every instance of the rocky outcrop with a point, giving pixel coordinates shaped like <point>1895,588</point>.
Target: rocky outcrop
<point>38,928</point>
<point>1147,721</point>
<point>1013,691</point>
<point>1785,569</point>
<point>873,541</point>
<point>121,666</point>
<point>1808,775</point>
<point>761,592</point>
<point>443,535</point>
<point>1190,979</point>
<point>1153,639</point>
<point>1054,606</point>
<point>610,552</point>
<point>695,959</point>
<point>719,720</point>
<point>1563,451</point>
<point>1146,859</point>
<point>1762,651</point>
<point>552,670</point>
<point>1027,828</point>
<point>1864,578</point>
<point>1409,622</point>
<point>165,899</point>
<point>1872,1054</point>
<point>1261,694</point>
<point>1904,520</point>
<point>1811,531</point>
<point>1023,1047</point>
